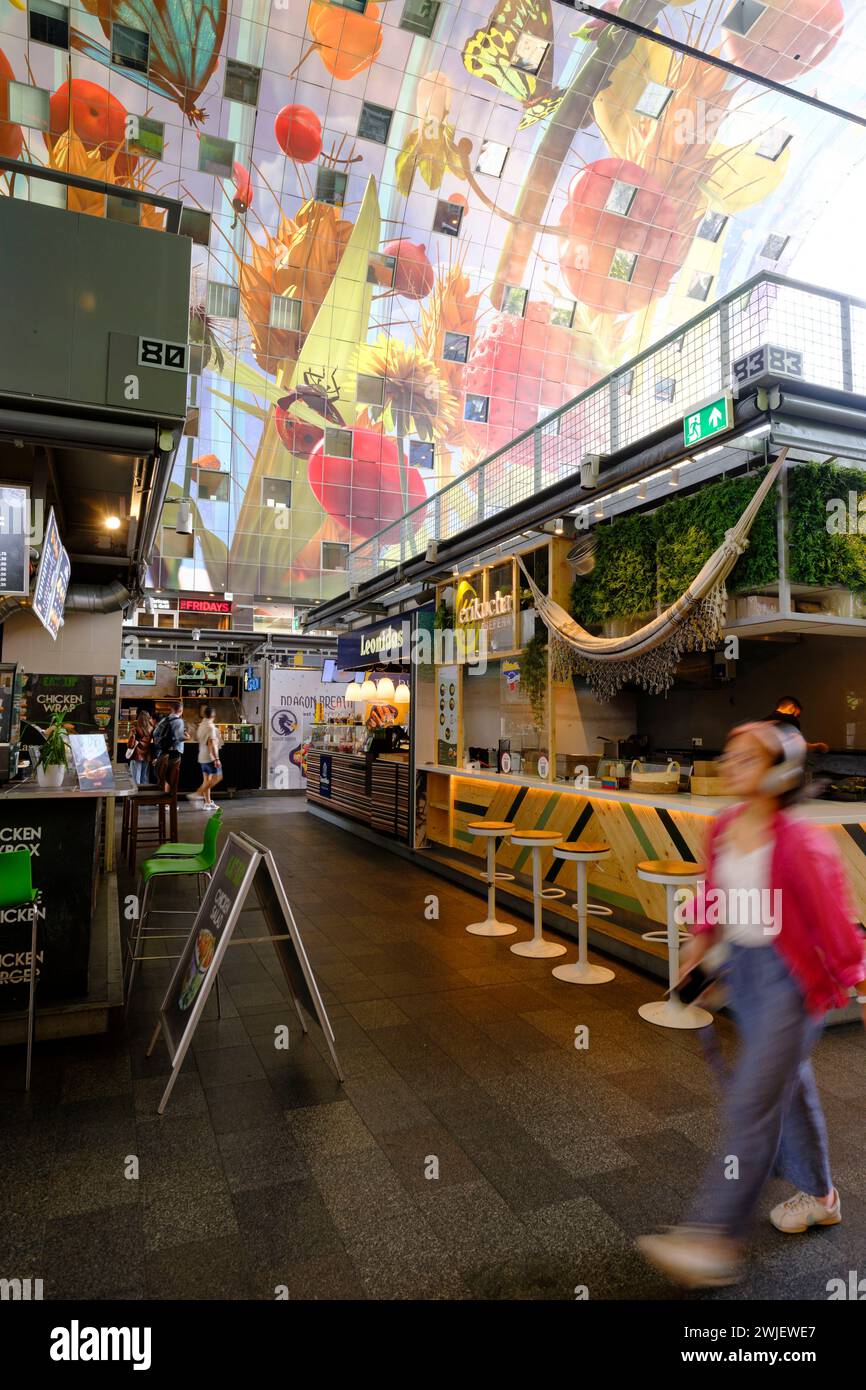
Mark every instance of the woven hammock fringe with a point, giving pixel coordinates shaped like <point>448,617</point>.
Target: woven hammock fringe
<point>700,629</point>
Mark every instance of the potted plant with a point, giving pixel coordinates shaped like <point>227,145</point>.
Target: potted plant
<point>533,679</point>
<point>528,617</point>
<point>53,755</point>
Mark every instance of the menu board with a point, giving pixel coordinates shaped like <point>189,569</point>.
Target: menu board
<point>87,703</point>
<point>447,715</point>
<point>52,579</point>
<point>92,762</point>
<point>14,540</point>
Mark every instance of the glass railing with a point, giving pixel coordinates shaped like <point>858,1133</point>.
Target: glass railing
<point>649,393</point>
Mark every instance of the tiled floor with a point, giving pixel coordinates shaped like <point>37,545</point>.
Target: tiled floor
<point>460,1062</point>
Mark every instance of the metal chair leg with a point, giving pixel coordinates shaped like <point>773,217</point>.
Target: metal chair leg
<point>31,1007</point>
<point>136,941</point>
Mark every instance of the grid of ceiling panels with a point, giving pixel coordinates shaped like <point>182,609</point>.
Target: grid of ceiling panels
<point>529,199</point>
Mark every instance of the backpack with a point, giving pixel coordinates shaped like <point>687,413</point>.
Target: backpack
<point>162,738</point>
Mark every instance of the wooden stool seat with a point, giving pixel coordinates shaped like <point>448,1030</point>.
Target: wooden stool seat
<point>537,840</point>
<point>490,827</point>
<point>660,870</point>
<point>532,838</point>
<point>582,849</point>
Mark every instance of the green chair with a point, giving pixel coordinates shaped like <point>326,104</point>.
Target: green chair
<point>187,849</point>
<point>16,890</point>
<point>152,871</point>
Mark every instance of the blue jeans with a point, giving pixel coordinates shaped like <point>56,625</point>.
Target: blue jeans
<point>773,1123</point>
<point>140,772</point>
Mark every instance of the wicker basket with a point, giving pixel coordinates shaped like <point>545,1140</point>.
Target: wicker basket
<point>653,777</point>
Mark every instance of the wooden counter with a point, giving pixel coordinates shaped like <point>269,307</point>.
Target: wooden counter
<point>374,791</point>
<point>636,826</point>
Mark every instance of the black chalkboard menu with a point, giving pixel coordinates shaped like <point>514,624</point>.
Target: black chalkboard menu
<point>87,703</point>
<point>14,540</point>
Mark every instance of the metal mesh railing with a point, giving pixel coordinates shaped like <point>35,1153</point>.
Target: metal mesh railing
<point>649,393</point>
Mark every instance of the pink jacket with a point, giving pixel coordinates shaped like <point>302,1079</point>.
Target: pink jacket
<point>819,938</point>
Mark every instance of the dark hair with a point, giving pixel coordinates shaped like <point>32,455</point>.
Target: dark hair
<point>175,706</point>
<point>207,711</point>
<point>789,700</point>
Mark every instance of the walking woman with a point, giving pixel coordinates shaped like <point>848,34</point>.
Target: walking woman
<point>791,952</point>
<point>138,749</point>
<point>209,763</point>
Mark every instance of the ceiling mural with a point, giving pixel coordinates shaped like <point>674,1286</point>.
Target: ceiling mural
<point>419,227</point>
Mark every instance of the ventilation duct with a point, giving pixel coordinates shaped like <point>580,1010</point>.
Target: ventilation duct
<point>80,598</point>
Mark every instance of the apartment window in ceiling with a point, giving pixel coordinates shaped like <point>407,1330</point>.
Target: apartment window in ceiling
<point>213,485</point>
<point>455,347</point>
<point>49,23</point>
<point>145,136</point>
<point>420,453</point>
<point>448,217</point>
<point>359,6</point>
<point>562,313</point>
<point>711,226</point>
<point>277,493</point>
<point>774,246</point>
<point>216,156</point>
<point>529,53</point>
<point>285,312</point>
<point>369,390</point>
<point>338,444</point>
<point>242,82</point>
<point>622,265</point>
<point>491,159</point>
<point>620,197</point>
<point>29,106</point>
<point>514,300</point>
<point>665,388</point>
<point>700,286</point>
<point>380,269</point>
<point>222,300</point>
<point>331,186</point>
<point>335,556</point>
<point>744,15</point>
<point>773,143</point>
<point>476,409</point>
<point>419,17</point>
<point>130,48</point>
<point>653,100</point>
<point>374,123</point>
<point>196,225</point>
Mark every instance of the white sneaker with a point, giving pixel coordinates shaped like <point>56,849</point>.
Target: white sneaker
<point>694,1258</point>
<point>802,1211</point>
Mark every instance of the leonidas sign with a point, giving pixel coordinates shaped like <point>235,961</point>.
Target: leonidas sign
<point>387,642</point>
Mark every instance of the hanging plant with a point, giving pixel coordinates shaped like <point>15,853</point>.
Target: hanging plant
<point>533,678</point>
<point>442,618</point>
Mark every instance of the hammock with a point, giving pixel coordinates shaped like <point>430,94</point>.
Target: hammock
<point>649,657</point>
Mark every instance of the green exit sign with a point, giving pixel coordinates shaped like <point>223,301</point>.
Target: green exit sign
<point>708,420</point>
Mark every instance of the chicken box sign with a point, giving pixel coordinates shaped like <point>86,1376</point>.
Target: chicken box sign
<point>294,697</point>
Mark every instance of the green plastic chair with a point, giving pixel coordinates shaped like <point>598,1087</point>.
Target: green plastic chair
<point>154,869</point>
<point>182,849</point>
<point>16,890</point>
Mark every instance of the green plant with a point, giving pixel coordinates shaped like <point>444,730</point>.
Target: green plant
<point>643,563</point>
<point>442,618</point>
<point>818,553</point>
<point>54,750</point>
<point>533,678</point>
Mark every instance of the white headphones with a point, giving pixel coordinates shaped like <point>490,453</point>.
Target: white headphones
<point>789,774</point>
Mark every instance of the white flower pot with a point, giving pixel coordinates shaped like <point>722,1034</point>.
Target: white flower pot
<point>527,626</point>
<point>50,776</point>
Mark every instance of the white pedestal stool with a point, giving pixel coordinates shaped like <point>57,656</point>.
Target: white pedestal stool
<point>491,831</point>
<point>670,1012</point>
<point>538,840</point>
<point>582,853</point>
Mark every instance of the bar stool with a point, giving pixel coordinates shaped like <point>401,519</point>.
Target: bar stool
<point>671,1012</point>
<point>492,830</point>
<point>538,840</point>
<point>581,854</point>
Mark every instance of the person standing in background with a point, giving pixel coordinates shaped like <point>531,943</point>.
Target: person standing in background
<point>789,711</point>
<point>138,749</point>
<point>784,968</point>
<point>209,763</point>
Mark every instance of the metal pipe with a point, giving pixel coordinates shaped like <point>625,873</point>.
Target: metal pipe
<point>844,416</point>
<point>96,598</point>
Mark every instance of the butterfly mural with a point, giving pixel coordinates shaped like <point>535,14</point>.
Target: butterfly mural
<point>494,54</point>
<point>185,41</point>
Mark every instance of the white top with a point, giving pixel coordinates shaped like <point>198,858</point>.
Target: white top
<point>206,731</point>
<point>747,909</point>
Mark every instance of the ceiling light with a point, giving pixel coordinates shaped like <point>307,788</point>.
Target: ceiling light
<point>112,523</point>
<point>385,688</point>
<point>368,690</point>
<point>353,692</point>
<point>674,479</point>
<point>401,694</point>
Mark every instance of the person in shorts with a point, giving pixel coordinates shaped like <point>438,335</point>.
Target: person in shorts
<point>209,763</point>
